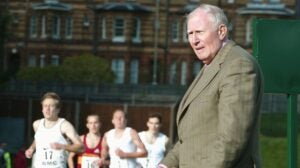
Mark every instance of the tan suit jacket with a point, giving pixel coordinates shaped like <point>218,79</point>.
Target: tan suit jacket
<point>218,117</point>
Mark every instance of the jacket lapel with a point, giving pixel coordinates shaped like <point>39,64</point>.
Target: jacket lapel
<point>206,74</point>
<point>191,87</point>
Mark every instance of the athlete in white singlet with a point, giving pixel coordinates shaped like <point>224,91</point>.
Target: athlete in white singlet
<point>155,142</point>
<point>50,145</point>
<point>122,144</point>
<point>45,155</point>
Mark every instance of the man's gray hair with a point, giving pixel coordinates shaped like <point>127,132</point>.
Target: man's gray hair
<point>217,15</point>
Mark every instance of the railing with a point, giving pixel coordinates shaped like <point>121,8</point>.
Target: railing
<point>100,93</point>
<point>117,93</point>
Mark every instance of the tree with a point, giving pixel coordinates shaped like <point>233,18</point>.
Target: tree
<point>83,69</point>
<point>37,74</point>
<point>86,69</point>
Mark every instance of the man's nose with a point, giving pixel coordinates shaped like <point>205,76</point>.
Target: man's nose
<point>194,38</point>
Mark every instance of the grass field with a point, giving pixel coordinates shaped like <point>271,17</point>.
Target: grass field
<point>274,140</point>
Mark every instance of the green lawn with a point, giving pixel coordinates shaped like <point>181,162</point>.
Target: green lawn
<point>274,140</point>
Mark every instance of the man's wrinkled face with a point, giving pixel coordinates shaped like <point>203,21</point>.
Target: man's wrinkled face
<point>204,37</point>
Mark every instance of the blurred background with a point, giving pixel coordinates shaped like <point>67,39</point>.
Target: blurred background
<point>99,55</point>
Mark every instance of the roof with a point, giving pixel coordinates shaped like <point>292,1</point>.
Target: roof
<point>188,8</point>
<point>51,6</point>
<point>271,9</point>
<point>114,6</point>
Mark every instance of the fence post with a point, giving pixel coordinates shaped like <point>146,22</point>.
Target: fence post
<point>292,130</point>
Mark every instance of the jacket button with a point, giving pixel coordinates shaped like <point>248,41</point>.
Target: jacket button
<point>180,141</point>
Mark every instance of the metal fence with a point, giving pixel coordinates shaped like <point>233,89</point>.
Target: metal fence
<point>122,93</point>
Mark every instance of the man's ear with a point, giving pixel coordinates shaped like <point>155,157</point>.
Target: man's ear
<point>222,31</point>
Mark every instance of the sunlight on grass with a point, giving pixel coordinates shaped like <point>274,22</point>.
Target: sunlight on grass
<point>274,141</point>
<point>274,152</point>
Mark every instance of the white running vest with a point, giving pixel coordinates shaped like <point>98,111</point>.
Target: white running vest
<point>126,144</point>
<point>156,151</point>
<point>45,157</point>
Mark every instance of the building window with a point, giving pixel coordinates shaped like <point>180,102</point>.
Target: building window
<point>118,67</point>
<point>136,31</point>
<point>175,31</point>
<point>42,60</point>
<point>15,18</point>
<point>230,1</point>
<point>44,27</point>
<point>134,71</point>
<point>33,27</point>
<point>55,60</point>
<point>183,73</point>
<point>103,28</point>
<point>31,61</point>
<point>86,22</point>
<point>274,1</point>
<point>172,73</point>
<point>184,32</point>
<point>249,31</point>
<point>56,27</point>
<point>196,68</point>
<point>51,1</point>
<point>119,28</point>
<point>69,27</point>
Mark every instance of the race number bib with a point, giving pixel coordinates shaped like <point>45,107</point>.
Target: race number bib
<point>47,158</point>
<point>89,161</point>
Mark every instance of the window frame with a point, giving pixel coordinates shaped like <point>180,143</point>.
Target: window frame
<point>134,71</point>
<point>44,26</point>
<point>136,30</point>
<point>175,31</point>
<point>55,59</point>
<point>196,68</point>
<point>173,73</point>
<point>103,33</point>
<point>118,67</point>
<point>69,27</point>
<point>33,26</point>
<point>56,27</point>
<point>42,60</point>
<point>184,73</point>
<point>184,32</point>
<point>119,29</point>
<point>31,61</point>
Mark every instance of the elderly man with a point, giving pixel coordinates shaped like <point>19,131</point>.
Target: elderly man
<point>218,116</point>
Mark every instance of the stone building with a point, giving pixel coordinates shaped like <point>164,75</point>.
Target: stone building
<point>144,40</point>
